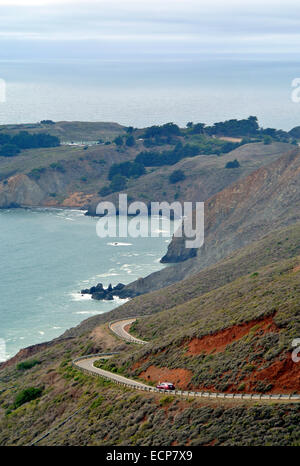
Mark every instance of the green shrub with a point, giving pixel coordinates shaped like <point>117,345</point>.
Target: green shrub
<point>36,172</point>
<point>165,400</point>
<point>28,394</point>
<point>267,140</point>
<point>58,167</point>
<point>97,402</point>
<point>23,366</point>
<point>105,191</point>
<point>118,141</point>
<point>176,176</point>
<point>233,164</point>
<point>9,150</point>
<point>47,122</point>
<point>130,141</point>
<point>127,169</point>
<point>168,129</point>
<point>118,183</point>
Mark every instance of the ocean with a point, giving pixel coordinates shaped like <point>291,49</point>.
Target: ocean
<point>47,257</point>
<point>145,91</point>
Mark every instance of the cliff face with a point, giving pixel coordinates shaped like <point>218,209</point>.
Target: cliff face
<point>61,176</point>
<point>74,175</point>
<point>177,252</point>
<point>266,200</point>
<point>20,190</point>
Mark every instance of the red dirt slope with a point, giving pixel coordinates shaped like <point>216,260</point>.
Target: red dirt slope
<point>218,341</point>
<point>283,374</point>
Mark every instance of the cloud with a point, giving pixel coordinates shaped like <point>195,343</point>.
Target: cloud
<point>217,26</point>
<point>38,3</point>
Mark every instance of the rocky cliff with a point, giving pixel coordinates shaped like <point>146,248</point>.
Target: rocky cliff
<point>20,190</point>
<point>266,200</point>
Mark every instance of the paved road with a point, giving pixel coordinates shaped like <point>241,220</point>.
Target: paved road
<point>118,328</point>
<point>87,365</point>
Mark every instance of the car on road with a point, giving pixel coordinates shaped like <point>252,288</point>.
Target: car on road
<point>165,386</point>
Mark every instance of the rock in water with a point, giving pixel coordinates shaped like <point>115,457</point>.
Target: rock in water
<point>99,293</point>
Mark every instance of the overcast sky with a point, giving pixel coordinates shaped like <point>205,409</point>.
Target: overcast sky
<point>178,28</point>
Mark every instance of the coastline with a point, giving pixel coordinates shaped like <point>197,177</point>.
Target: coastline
<point>83,310</point>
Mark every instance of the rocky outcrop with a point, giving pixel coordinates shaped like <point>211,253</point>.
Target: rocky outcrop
<point>24,190</point>
<point>177,252</point>
<point>20,190</point>
<point>107,294</point>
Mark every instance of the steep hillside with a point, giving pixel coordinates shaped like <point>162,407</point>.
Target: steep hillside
<point>278,245</point>
<point>61,176</point>
<point>235,338</point>
<point>204,175</point>
<point>76,172</point>
<point>266,200</point>
<point>113,415</point>
<point>216,335</point>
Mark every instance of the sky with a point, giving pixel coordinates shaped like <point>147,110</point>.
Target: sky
<point>244,51</point>
<point>175,28</point>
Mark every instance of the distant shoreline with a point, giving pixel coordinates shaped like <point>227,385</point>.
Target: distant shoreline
<point>33,341</point>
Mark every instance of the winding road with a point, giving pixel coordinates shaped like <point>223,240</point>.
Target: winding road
<point>86,364</point>
<point>118,327</point>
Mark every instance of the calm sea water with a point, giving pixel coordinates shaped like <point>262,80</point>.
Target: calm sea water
<point>47,257</point>
<point>142,92</point>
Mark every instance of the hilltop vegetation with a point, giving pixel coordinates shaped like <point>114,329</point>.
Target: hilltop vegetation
<point>12,145</point>
<point>107,158</point>
<point>68,131</point>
